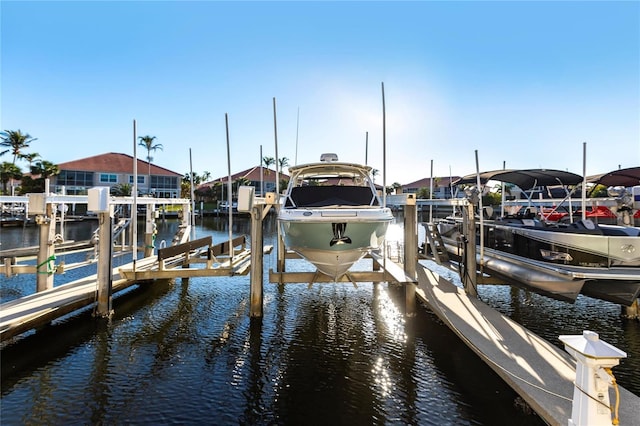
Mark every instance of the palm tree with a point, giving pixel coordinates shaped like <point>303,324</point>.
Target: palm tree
<point>16,141</point>
<point>121,190</point>
<point>374,173</point>
<point>284,162</point>
<point>147,142</point>
<point>241,181</point>
<point>395,187</point>
<point>268,161</point>
<point>31,157</point>
<point>8,171</point>
<point>185,185</point>
<point>45,169</point>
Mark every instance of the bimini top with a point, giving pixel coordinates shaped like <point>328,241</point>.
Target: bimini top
<point>621,177</point>
<point>329,165</point>
<point>525,179</point>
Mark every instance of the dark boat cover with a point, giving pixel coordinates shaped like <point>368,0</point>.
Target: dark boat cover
<point>525,179</point>
<point>620,177</point>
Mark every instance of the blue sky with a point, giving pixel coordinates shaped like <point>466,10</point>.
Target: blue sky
<point>526,83</point>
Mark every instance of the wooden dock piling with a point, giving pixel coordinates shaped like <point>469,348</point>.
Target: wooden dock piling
<point>105,271</point>
<point>257,258</point>
<point>410,253</point>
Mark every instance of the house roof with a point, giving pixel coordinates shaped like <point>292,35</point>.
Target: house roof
<point>252,174</point>
<point>426,182</point>
<point>114,162</point>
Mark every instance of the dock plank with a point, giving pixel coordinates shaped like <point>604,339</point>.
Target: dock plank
<point>538,371</point>
<point>35,310</point>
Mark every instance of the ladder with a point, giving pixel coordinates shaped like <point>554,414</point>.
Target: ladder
<point>438,250</point>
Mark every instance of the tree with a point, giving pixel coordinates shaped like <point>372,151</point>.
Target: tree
<point>284,162</point>
<point>185,185</point>
<point>44,169</point>
<point>283,183</point>
<point>16,141</point>
<point>9,171</point>
<point>121,190</point>
<point>374,173</point>
<point>268,161</point>
<point>40,171</point>
<point>423,193</point>
<point>242,181</point>
<point>147,142</point>
<point>30,158</point>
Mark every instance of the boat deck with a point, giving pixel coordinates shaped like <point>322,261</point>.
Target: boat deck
<point>538,371</point>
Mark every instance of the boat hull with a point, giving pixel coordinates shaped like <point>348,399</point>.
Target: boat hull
<point>334,239</point>
<point>560,264</point>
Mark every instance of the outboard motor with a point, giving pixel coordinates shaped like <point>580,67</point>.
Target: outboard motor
<point>625,204</point>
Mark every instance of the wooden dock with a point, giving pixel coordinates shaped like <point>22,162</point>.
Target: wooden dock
<point>538,371</point>
<point>38,309</point>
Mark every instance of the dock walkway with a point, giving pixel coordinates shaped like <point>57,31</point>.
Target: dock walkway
<point>538,371</point>
<point>38,309</point>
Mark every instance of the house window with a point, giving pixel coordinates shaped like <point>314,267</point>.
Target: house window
<point>75,178</point>
<point>140,179</point>
<point>108,178</point>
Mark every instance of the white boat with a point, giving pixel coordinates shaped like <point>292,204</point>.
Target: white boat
<point>331,214</point>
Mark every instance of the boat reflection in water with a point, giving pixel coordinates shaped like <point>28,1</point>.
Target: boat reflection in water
<point>187,352</point>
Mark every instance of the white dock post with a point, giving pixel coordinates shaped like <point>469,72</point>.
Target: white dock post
<point>45,219</point>
<point>98,201</point>
<point>591,405</point>
<point>150,230</point>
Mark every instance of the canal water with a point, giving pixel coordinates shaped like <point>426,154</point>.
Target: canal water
<point>186,351</point>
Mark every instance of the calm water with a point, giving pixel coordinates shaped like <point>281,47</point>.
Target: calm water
<point>186,352</point>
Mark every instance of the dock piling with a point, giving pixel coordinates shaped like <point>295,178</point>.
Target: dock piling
<point>257,255</point>
<point>469,278</point>
<point>46,220</point>
<point>410,252</point>
<point>98,202</point>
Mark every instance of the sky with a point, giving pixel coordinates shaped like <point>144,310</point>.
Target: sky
<point>509,83</point>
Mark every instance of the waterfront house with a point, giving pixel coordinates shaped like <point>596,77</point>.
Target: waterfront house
<point>113,169</point>
<point>263,182</point>
<point>441,186</point>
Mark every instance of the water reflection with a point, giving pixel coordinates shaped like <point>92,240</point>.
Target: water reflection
<point>187,352</point>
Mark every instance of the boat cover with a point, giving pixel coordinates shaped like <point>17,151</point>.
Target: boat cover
<point>525,179</point>
<point>621,177</point>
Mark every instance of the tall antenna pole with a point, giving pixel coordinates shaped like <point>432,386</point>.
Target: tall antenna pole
<point>384,151</point>
<point>480,210</point>
<point>193,199</point>
<point>584,180</point>
<point>275,133</point>
<point>229,189</point>
<point>431,194</point>
<point>366,148</point>
<point>502,188</point>
<point>297,128</point>
<point>134,210</point>
<point>261,175</point>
